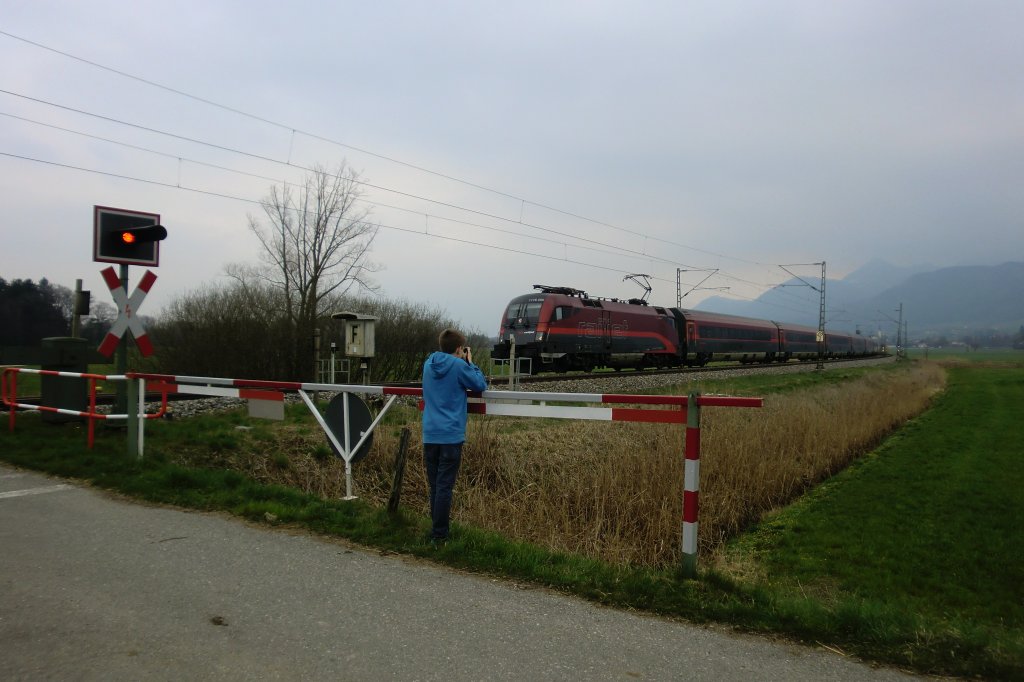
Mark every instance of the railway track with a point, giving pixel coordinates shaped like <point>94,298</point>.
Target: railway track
<point>612,375</point>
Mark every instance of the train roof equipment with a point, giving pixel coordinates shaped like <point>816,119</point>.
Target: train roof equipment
<point>566,291</point>
<point>579,293</point>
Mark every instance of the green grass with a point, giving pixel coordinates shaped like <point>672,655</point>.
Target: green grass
<point>921,541</point>
<point>960,353</point>
<point>27,384</point>
<point>911,556</point>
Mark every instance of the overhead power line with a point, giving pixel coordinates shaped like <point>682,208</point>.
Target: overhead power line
<point>384,157</point>
<point>618,249</point>
<point>397,228</point>
<point>222,195</point>
<point>268,159</point>
<point>630,253</point>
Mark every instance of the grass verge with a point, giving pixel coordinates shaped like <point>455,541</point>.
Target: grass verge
<point>910,557</point>
<point>915,548</point>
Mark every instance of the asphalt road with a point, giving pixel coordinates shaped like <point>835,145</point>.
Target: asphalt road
<point>95,588</point>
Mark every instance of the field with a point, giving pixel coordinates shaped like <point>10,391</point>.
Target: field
<point>813,524</point>
<point>923,535</point>
<point>946,356</point>
<point>613,491</point>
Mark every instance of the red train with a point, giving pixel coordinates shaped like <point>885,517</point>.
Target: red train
<point>562,329</point>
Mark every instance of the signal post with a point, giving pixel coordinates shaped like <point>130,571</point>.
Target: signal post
<point>126,237</point>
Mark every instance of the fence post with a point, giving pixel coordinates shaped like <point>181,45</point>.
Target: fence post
<point>396,483</point>
<point>691,486</point>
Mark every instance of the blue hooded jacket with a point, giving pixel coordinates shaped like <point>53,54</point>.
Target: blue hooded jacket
<point>446,379</point>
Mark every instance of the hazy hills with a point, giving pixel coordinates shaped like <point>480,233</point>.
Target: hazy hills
<point>945,300</point>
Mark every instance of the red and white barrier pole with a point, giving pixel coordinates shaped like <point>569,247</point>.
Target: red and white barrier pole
<point>691,477</point>
<point>691,486</point>
<point>274,391</point>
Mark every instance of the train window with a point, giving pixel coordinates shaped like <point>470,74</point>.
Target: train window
<point>523,313</point>
<point>738,333</point>
<point>562,312</point>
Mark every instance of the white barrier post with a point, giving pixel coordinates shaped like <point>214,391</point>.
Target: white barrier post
<point>136,417</point>
<point>132,411</point>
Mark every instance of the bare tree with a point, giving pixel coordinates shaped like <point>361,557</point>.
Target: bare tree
<point>316,241</point>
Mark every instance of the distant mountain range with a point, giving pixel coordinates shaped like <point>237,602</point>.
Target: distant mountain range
<point>942,301</point>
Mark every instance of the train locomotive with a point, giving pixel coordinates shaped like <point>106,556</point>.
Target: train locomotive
<point>563,329</point>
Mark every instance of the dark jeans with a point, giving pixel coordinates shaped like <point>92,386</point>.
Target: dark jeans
<point>442,462</point>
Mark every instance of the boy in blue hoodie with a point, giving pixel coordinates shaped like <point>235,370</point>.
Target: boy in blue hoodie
<point>447,375</point>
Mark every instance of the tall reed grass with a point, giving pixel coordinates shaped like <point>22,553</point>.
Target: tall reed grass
<point>614,490</point>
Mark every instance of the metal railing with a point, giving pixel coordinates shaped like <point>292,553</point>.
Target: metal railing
<point>9,396</point>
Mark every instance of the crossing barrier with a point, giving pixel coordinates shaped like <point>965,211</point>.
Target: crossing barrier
<point>659,409</point>
<point>656,409</point>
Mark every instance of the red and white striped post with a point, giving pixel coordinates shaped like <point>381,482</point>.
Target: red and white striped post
<point>691,486</point>
<point>691,477</point>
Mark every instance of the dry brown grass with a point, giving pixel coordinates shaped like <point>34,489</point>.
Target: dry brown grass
<point>614,490</point>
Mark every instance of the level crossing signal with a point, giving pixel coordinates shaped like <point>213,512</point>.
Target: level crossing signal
<point>127,237</point>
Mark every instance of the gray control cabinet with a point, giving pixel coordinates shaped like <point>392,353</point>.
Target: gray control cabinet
<point>358,334</point>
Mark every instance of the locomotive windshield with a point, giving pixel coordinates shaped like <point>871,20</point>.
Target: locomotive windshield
<point>523,313</point>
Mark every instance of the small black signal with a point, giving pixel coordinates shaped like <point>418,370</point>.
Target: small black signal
<point>143,235</point>
<point>127,237</point>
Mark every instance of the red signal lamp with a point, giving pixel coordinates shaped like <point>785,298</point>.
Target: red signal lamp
<point>126,237</point>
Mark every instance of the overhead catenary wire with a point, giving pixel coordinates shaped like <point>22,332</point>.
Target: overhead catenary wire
<point>639,254</point>
<point>292,131</point>
<point>268,159</point>
<point>323,138</point>
<point>257,202</point>
<point>223,195</point>
<point>179,158</point>
<point>364,183</point>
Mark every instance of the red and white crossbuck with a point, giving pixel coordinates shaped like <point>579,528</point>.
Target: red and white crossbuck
<point>127,313</point>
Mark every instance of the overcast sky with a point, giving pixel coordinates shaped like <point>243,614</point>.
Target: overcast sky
<point>511,144</point>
